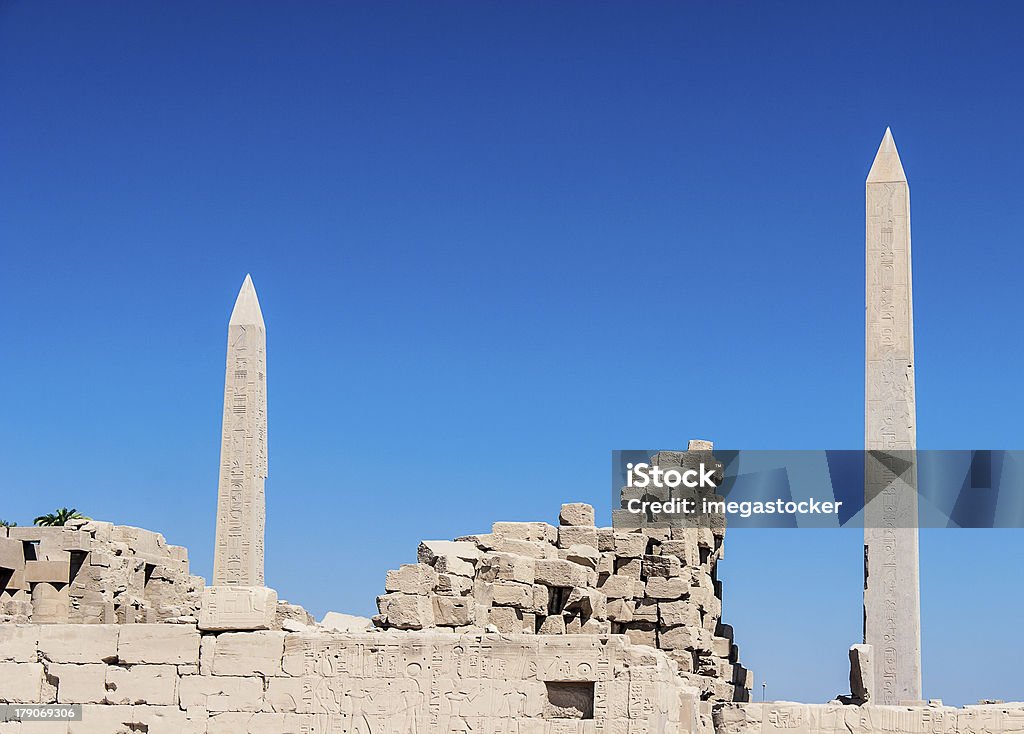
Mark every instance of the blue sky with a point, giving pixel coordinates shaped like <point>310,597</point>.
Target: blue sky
<point>494,242</point>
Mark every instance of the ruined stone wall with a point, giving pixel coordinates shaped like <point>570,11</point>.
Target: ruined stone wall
<point>93,572</point>
<point>173,679</point>
<point>834,718</point>
<point>655,586</point>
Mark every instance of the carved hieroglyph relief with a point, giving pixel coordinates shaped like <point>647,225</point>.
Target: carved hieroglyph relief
<point>793,718</point>
<point>431,682</point>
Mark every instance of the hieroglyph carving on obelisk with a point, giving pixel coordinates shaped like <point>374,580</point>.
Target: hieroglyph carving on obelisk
<point>892,618</point>
<point>241,504</point>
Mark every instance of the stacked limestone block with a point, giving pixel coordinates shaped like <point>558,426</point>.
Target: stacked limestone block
<point>834,718</point>
<point>94,573</point>
<point>174,679</point>
<point>655,586</point>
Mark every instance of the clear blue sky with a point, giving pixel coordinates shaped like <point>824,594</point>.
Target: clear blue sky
<point>494,242</point>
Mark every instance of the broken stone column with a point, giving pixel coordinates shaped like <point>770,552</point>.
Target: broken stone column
<point>862,674</point>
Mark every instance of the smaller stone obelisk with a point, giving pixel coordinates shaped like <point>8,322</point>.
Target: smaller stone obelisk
<point>241,504</point>
<point>238,598</point>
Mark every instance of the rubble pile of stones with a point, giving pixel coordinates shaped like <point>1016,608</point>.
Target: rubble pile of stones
<point>656,586</point>
<point>93,572</point>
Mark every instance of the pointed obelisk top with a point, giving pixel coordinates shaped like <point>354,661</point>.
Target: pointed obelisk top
<point>247,306</point>
<point>887,167</point>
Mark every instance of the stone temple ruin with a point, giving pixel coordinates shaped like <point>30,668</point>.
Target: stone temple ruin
<point>530,628</point>
<point>655,587</point>
<point>90,572</point>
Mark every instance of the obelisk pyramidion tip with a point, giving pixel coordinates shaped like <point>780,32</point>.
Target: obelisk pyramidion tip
<point>887,167</point>
<point>247,305</point>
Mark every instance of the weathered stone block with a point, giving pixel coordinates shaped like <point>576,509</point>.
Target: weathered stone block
<point>100,559</point>
<point>684,659</point>
<point>535,531</point>
<point>596,627</point>
<point>221,693</point>
<point>164,720</point>
<point>507,593</point>
<point>266,723</point>
<point>483,541</point>
<point>684,550</point>
<point>705,599</point>
<point>620,610</point>
<point>541,597</point>
<point>54,572</point>
<point>430,550</point>
<point>237,608</point>
<point>645,610</point>
<point>642,636</point>
<point>721,646</point>
<point>562,573</point>
<point>78,643</point>
<point>76,540</point>
<point>529,548</point>
<point>576,513</point>
<point>346,622</point>
<point>529,623</point>
<point>570,535</point>
<point>451,611</point>
<point>506,567</point>
<point>18,643</point>
<point>249,653</point>
<point>686,638</point>
<point>587,602</point>
<point>552,625</point>
<point>173,644</point>
<point>21,682</point>
<point>665,588</point>
<point>411,578</point>
<point>450,584</point>
<point>283,695</point>
<point>630,545</point>
<point>12,555</point>
<point>621,587</point>
<point>631,567</point>
<point>663,566</point>
<point>675,613</point>
<point>79,683</point>
<point>407,611</point>
<point>156,685</point>
<point>584,555</point>
<point>101,718</point>
<point>454,566</point>
<point>507,620</point>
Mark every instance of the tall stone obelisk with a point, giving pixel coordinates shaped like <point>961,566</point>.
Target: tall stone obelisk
<point>241,504</point>
<point>892,617</point>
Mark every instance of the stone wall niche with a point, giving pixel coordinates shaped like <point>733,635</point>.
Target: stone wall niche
<point>569,700</point>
